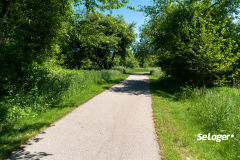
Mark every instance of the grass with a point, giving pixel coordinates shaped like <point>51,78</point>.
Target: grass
<point>137,70</point>
<point>15,134</point>
<point>181,113</point>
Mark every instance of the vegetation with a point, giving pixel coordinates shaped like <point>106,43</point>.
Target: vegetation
<point>57,94</point>
<point>36,38</point>
<point>181,113</point>
<point>195,41</point>
<point>53,58</point>
<point>53,86</point>
<point>157,72</point>
<point>106,38</point>
<point>197,46</point>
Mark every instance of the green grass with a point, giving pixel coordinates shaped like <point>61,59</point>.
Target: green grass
<point>180,114</point>
<point>137,70</point>
<point>14,135</point>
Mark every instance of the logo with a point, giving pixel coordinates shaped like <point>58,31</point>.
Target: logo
<point>217,138</point>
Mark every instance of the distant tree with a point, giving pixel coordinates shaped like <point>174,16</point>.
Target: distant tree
<point>143,49</point>
<point>130,61</point>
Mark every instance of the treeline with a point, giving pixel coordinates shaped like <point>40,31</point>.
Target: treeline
<point>42,43</point>
<point>195,41</point>
<point>33,32</point>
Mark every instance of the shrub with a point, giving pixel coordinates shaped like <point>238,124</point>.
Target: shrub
<point>157,72</point>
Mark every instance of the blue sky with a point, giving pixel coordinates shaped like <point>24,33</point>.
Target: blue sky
<point>130,15</point>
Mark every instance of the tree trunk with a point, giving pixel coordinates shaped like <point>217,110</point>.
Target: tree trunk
<point>1,36</point>
<point>94,59</point>
<point>105,65</point>
<point>203,76</point>
<point>110,65</point>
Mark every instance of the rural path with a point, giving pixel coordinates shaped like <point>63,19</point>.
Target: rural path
<point>116,124</point>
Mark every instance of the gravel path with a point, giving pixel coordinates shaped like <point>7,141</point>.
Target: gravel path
<point>116,124</point>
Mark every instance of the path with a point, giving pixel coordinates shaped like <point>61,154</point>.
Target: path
<point>116,124</point>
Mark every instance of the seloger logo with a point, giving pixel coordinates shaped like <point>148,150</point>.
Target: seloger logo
<point>214,137</point>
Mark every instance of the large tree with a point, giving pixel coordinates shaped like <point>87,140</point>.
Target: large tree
<point>31,31</point>
<point>193,38</point>
<point>99,38</point>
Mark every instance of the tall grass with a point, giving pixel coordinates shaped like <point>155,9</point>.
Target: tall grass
<point>137,70</point>
<point>50,87</point>
<point>120,68</point>
<point>217,110</point>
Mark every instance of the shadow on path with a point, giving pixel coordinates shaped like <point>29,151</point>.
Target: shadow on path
<point>26,155</point>
<point>133,86</point>
<point>21,153</point>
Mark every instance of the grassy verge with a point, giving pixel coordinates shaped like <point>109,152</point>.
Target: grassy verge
<point>137,70</point>
<point>181,114</point>
<point>15,135</point>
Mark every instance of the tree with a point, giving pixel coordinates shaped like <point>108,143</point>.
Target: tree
<point>15,13</point>
<point>104,38</point>
<point>143,50</point>
<point>31,31</point>
<point>191,40</point>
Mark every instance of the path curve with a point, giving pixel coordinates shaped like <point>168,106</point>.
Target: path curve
<point>116,124</point>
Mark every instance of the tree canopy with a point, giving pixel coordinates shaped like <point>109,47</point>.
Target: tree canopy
<point>194,39</point>
<point>31,31</point>
<point>107,37</point>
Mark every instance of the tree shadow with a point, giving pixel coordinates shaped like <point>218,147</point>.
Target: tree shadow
<point>166,87</point>
<point>22,154</point>
<point>133,87</point>
<point>11,139</point>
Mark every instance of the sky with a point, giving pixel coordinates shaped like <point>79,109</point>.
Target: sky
<point>130,15</point>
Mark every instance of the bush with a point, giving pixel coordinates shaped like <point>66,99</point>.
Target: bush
<point>145,65</point>
<point>157,72</point>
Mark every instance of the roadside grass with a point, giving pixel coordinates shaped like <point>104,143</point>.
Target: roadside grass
<point>137,70</point>
<point>14,135</point>
<point>181,113</point>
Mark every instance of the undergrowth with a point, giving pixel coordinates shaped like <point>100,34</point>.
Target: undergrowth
<point>51,85</point>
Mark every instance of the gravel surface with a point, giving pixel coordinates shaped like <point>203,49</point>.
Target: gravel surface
<point>116,124</point>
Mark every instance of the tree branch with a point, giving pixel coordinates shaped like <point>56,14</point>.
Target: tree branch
<point>211,6</point>
<point>6,13</point>
<point>16,10</point>
<point>94,59</point>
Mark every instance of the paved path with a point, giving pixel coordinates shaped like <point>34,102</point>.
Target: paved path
<point>115,125</point>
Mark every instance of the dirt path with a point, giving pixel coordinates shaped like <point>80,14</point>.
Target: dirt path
<point>116,124</point>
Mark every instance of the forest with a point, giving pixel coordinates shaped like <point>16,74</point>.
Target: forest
<point>50,51</point>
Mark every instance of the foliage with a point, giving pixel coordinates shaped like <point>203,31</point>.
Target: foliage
<point>13,136</point>
<point>181,113</point>
<point>191,39</point>
<point>32,31</point>
<point>130,61</point>
<point>53,85</point>
<point>106,38</point>
<point>145,65</point>
<point>216,110</point>
<point>143,51</point>
<point>157,72</point>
